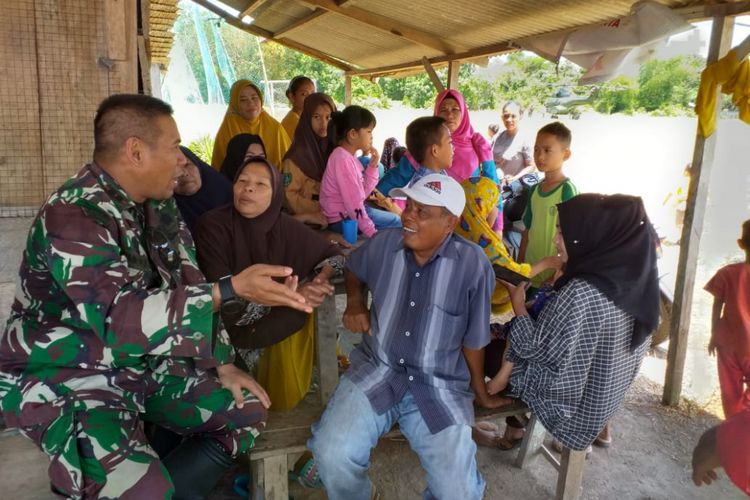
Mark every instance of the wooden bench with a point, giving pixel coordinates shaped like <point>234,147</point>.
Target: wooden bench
<point>285,437</point>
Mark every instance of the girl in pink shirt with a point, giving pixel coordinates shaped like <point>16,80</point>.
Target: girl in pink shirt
<point>345,186</point>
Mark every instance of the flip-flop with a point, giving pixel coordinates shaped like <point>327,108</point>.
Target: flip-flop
<point>241,485</point>
<point>603,443</point>
<point>505,444</point>
<point>489,433</point>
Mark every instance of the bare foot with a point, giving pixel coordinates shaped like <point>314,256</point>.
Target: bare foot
<point>485,434</point>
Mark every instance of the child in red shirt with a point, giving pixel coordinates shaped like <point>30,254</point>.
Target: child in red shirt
<point>730,330</point>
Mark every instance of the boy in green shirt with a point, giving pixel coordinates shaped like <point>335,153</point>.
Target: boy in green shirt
<point>551,150</point>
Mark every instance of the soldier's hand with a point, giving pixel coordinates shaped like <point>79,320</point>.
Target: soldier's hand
<point>256,284</point>
<point>235,380</point>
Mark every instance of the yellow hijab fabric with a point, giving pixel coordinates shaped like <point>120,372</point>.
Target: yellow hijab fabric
<point>482,196</point>
<point>275,138</point>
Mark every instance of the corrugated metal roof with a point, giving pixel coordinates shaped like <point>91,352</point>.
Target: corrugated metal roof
<point>392,36</point>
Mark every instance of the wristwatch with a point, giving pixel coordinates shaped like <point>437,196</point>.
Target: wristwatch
<point>230,303</point>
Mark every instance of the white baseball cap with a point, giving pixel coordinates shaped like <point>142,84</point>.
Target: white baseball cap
<point>436,190</point>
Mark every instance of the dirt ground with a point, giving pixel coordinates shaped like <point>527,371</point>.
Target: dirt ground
<point>649,459</point>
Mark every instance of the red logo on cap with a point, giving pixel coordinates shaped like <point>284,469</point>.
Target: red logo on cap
<point>435,186</point>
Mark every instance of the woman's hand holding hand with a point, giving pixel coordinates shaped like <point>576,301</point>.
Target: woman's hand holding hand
<point>316,291</point>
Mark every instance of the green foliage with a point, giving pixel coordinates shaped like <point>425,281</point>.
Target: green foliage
<point>531,80</point>
<point>203,147</point>
<point>478,93</point>
<point>669,84</point>
<point>617,96</point>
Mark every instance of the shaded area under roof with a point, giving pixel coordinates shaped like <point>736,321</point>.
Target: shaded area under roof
<point>391,37</point>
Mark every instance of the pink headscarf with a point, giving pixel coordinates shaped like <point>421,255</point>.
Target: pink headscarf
<point>469,148</point>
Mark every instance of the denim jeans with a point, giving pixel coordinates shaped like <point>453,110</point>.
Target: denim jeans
<point>349,429</point>
<point>382,218</point>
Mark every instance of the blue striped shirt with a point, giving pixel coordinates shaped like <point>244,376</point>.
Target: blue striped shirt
<point>421,318</point>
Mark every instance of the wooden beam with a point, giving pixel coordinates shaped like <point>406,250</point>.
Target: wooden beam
<point>255,30</point>
<point>700,175</point>
<point>347,90</point>
<point>453,68</point>
<point>251,7</point>
<point>433,75</point>
<point>497,48</point>
<point>701,12</point>
<point>299,23</point>
<point>386,24</point>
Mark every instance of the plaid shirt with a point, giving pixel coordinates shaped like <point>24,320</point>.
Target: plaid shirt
<point>573,365</point>
<point>421,318</point>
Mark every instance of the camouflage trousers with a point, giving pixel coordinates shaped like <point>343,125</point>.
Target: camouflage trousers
<point>102,452</point>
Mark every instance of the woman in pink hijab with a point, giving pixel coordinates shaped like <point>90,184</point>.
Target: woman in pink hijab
<point>472,155</point>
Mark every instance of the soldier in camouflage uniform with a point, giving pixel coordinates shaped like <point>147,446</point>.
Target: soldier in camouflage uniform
<point>113,324</point>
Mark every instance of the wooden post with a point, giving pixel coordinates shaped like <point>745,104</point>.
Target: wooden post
<point>700,175</point>
<point>532,442</point>
<point>433,76</point>
<point>570,475</point>
<point>347,90</point>
<point>325,343</point>
<point>122,45</point>
<point>453,68</point>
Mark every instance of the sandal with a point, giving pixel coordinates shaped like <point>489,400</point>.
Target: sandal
<point>603,443</point>
<point>485,434</point>
<point>306,472</point>
<point>506,444</point>
<point>241,485</point>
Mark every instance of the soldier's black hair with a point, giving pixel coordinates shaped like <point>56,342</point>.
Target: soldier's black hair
<point>122,116</point>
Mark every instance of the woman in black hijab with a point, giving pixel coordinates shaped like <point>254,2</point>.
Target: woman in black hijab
<point>253,230</point>
<point>199,189</point>
<point>573,364</point>
<point>239,148</point>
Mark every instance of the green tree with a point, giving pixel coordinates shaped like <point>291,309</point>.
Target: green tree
<point>531,80</point>
<point>669,84</point>
<point>617,96</point>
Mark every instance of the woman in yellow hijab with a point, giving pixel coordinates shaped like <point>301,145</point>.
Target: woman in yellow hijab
<point>475,225</point>
<point>245,114</point>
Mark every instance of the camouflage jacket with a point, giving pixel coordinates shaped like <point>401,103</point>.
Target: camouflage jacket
<point>109,291</point>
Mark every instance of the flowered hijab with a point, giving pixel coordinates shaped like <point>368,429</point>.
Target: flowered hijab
<point>470,148</point>
<point>386,157</point>
<point>481,197</point>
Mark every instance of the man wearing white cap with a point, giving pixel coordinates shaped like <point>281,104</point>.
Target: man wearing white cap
<point>422,354</point>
